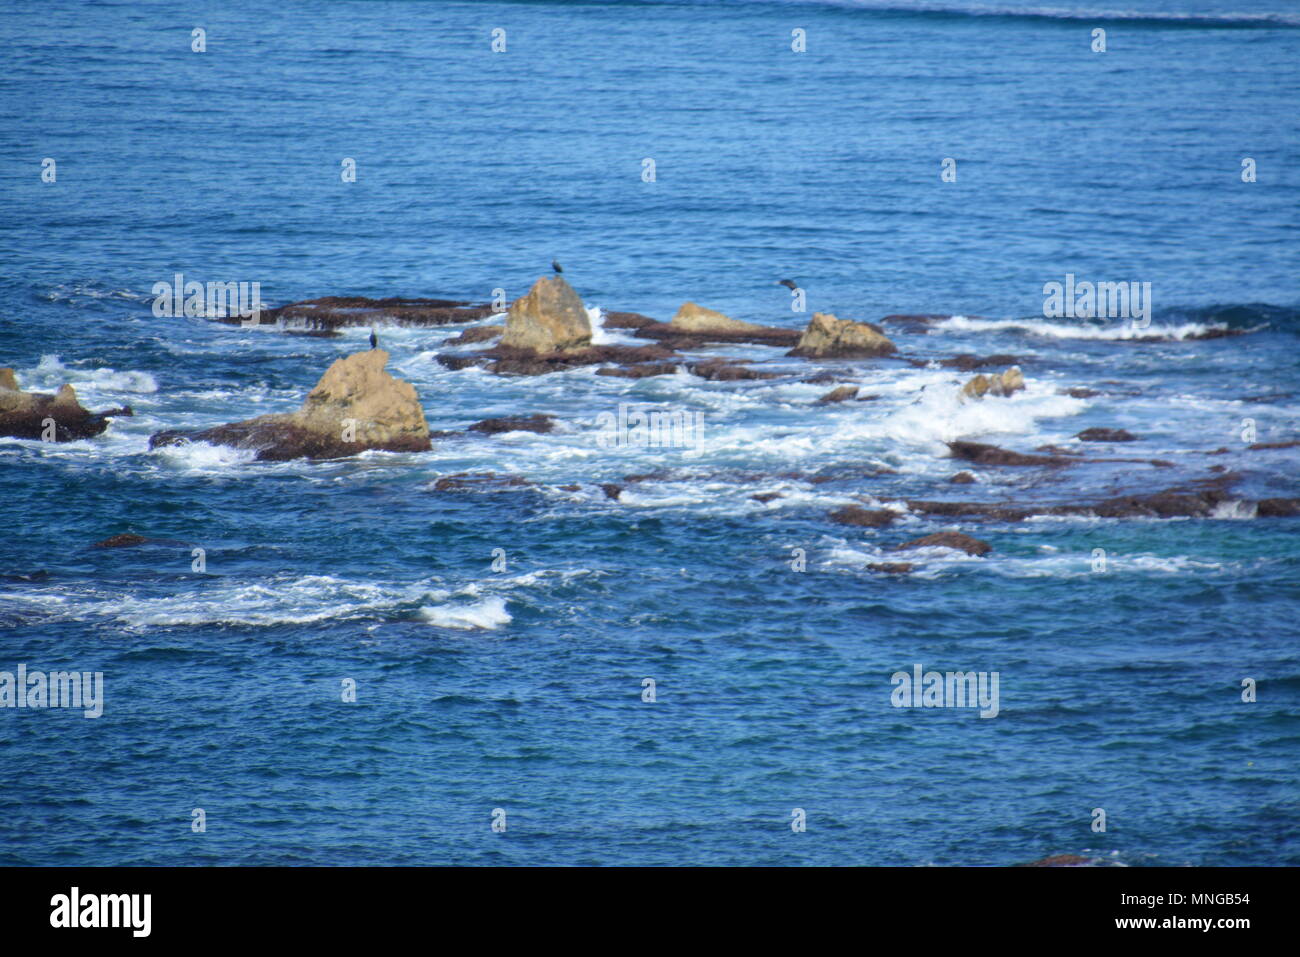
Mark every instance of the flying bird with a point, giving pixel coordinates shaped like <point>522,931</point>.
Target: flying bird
<point>789,284</point>
<point>374,340</point>
<point>556,266</point>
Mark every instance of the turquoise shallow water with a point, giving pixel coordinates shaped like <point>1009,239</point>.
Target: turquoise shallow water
<point>520,688</point>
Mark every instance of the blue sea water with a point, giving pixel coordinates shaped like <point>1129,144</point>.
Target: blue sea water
<point>520,688</point>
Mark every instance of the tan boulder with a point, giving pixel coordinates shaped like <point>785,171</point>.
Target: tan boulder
<point>695,318</point>
<point>551,318</point>
<point>829,338</point>
<point>1012,380</point>
<point>8,380</point>
<point>384,408</point>
<point>355,406</point>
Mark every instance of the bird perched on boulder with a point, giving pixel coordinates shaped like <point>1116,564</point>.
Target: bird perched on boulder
<point>374,340</point>
<point>556,266</point>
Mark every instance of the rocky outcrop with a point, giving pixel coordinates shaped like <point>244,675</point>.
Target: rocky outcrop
<point>540,424</point>
<point>1003,384</point>
<point>962,478</point>
<point>354,407</point>
<point>969,363</point>
<point>982,454</point>
<point>840,394</point>
<point>330,313</point>
<point>706,326</point>
<point>830,338</point>
<point>692,318</point>
<point>550,319</point>
<point>30,415</point>
<point>724,370</point>
<point>865,517</point>
<point>963,543</point>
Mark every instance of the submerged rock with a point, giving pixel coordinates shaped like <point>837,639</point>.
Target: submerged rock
<point>983,454</point>
<point>330,313</point>
<point>841,394</point>
<point>1106,435</point>
<point>969,363</point>
<point>891,568</point>
<point>962,478</point>
<point>355,406</point>
<point>526,423</point>
<point>964,543</point>
<point>479,481</point>
<point>549,319</point>
<point>476,334</point>
<point>866,517</point>
<point>125,540</point>
<point>726,370</point>
<point>26,415</point>
<point>830,338</point>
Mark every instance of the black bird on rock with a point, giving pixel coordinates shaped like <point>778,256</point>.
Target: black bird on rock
<point>374,340</point>
<point>789,284</point>
<point>557,267</point>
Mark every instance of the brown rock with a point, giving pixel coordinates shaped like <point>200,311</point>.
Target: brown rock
<point>125,540</point>
<point>1106,435</point>
<point>971,546</point>
<point>691,318</point>
<point>724,370</point>
<point>476,334</point>
<point>968,363</point>
<point>866,517</point>
<point>1012,380</point>
<point>330,313</point>
<point>891,568</point>
<point>828,337</point>
<point>550,319</point>
<point>983,454</point>
<point>962,478</point>
<point>841,394</point>
<point>626,320</point>
<point>639,371</point>
<point>526,423</point>
<point>24,415</point>
<point>355,406</point>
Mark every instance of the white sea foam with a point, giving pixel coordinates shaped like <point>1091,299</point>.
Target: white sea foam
<point>51,373</point>
<point>202,457</point>
<point>485,615</point>
<point>1075,330</point>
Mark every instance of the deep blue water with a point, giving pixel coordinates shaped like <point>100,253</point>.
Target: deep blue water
<point>521,689</point>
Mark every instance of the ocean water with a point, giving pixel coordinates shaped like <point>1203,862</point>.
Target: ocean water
<point>520,688</point>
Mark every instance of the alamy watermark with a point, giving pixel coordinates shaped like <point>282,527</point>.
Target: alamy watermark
<point>1102,300</point>
<point>213,300</point>
<point>58,689</point>
<point>953,689</point>
<point>634,427</point>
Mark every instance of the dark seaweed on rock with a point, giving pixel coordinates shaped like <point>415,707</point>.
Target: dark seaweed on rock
<point>335,312</point>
